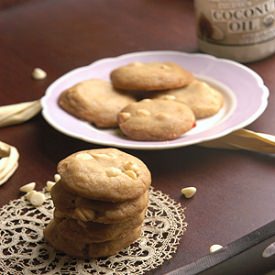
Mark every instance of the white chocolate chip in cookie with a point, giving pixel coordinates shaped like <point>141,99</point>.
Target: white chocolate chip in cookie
<point>124,116</point>
<point>103,156</point>
<point>169,97</point>
<point>131,174</point>
<point>84,156</point>
<point>79,214</point>
<point>113,172</point>
<point>137,64</point>
<point>143,112</point>
<point>84,214</point>
<point>162,116</point>
<point>27,187</point>
<point>112,155</point>
<point>165,67</point>
<point>147,100</point>
<point>131,166</point>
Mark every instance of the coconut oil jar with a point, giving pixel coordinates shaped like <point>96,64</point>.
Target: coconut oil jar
<point>242,30</point>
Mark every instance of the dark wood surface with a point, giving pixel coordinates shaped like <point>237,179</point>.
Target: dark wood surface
<point>236,190</point>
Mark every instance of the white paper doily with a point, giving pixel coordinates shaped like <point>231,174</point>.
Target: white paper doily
<point>24,251</point>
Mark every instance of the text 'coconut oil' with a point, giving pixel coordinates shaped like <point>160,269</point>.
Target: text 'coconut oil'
<point>241,30</point>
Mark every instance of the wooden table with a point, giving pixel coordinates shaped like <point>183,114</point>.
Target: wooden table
<point>236,190</point>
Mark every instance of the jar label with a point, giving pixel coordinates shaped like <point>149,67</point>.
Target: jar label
<point>235,22</point>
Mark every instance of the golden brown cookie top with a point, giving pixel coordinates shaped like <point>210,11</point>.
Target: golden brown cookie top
<point>104,174</point>
<point>155,120</point>
<point>153,76</point>
<point>95,101</point>
<point>203,99</point>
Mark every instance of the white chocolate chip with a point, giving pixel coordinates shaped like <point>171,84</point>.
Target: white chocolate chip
<point>147,100</point>
<point>83,156</point>
<point>135,167</point>
<point>28,195</point>
<point>131,174</point>
<point>124,116</point>
<point>165,67</point>
<point>215,247</point>
<point>36,198</point>
<point>131,166</point>
<point>169,97</point>
<point>189,192</point>
<point>269,251</point>
<point>39,74</point>
<point>57,177</point>
<point>112,155</point>
<point>49,185</point>
<point>79,214</point>
<point>143,112</point>
<point>113,172</point>
<point>137,64</point>
<point>84,214</point>
<point>162,116</point>
<point>27,187</point>
<point>103,156</point>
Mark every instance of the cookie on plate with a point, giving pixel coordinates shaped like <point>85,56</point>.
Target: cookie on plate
<point>154,76</point>
<point>104,174</point>
<point>95,101</point>
<point>155,119</point>
<point>80,248</point>
<point>70,205</point>
<point>203,99</point>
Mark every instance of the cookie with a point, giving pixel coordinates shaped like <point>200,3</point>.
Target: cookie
<point>154,76</point>
<point>92,232</point>
<point>94,101</point>
<point>96,250</point>
<point>155,120</point>
<point>104,174</point>
<point>203,99</point>
<point>69,205</point>
<point>81,249</point>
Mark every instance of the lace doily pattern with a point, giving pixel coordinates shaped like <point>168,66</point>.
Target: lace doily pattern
<point>24,251</point>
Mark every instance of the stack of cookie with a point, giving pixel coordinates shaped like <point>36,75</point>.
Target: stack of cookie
<point>100,203</point>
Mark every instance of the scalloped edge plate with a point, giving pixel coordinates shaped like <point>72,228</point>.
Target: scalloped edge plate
<point>244,92</point>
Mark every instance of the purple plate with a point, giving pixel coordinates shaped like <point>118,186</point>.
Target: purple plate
<point>245,99</point>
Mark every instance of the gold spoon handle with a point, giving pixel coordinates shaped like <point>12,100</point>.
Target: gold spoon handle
<point>246,140</point>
